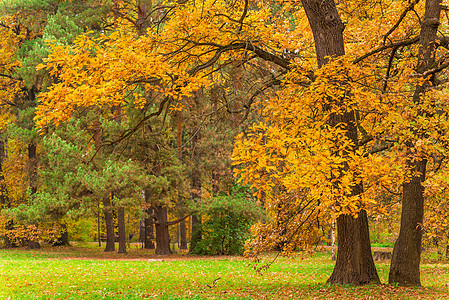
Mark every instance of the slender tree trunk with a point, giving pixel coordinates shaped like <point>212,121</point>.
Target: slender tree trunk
<point>4,197</point>
<point>99,225</point>
<point>447,251</point>
<point>109,220</point>
<point>354,263</point>
<point>215,183</point>
<point>404,269</point>
<point>121,230</point>
<point>32,167</point>
<point>142,231</point>
<point>183,234</point>
<point>162,234</point>
<point>195,192</point>
<point>182,224</point>
<point>32,164</point>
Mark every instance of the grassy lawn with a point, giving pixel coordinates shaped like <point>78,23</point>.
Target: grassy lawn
<point>88,273</point>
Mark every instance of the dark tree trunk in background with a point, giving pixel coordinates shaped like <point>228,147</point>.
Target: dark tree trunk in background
<point>404,269</point>
<point>109,220</point>
<point>162,234</point>
<point>197,233</point>
<point>148,223</point>
<point>183,234</point>
<point>63,240</point>
<point>142,231</point>
<point>195,192</point>
<point>32,165</point>
<point>121,230</point>
<point>4,198</point>
<point>447,251</point>
<point>149,231</point>
<point>215,183</point>
<point>182,224</point>
<point>34,244</point>
<point>354,263</point>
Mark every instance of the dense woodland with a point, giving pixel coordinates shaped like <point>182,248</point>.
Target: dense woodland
<point>189,122</point>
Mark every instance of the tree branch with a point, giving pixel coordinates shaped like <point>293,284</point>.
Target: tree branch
<point>401,18</point>
<point>385,47</point>
<point>170,223</point>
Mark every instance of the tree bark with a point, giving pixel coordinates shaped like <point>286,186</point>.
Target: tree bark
<point>355,264</point>
<point>148,223</point>
<point>162,234</point>
<point>182,224</point>
<point>149,231</point>
<point>109,220</point>
<point>215,183</point>
<point>63,240</point>
<point>195,192</point>
<point>404,269</point>
<point>4,197</point>
<point>32,157</point>
<point>32,165</point>
<point>447,251</point>
<point>183,234</point>
<point>121,230</point>
<point>197,234</point>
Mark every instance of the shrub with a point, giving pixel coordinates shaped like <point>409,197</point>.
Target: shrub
<point>226,223</point>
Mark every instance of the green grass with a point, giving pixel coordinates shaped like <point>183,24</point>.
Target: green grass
<point>88,273</point>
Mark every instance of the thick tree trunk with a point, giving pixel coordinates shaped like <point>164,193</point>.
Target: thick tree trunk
<point>162,234</point>
<point>109,220</point>
<point>121,230</point>
<point>406,257</point>
<point>354,263</point>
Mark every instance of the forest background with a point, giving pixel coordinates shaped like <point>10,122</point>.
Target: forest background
<point>334,113</point>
